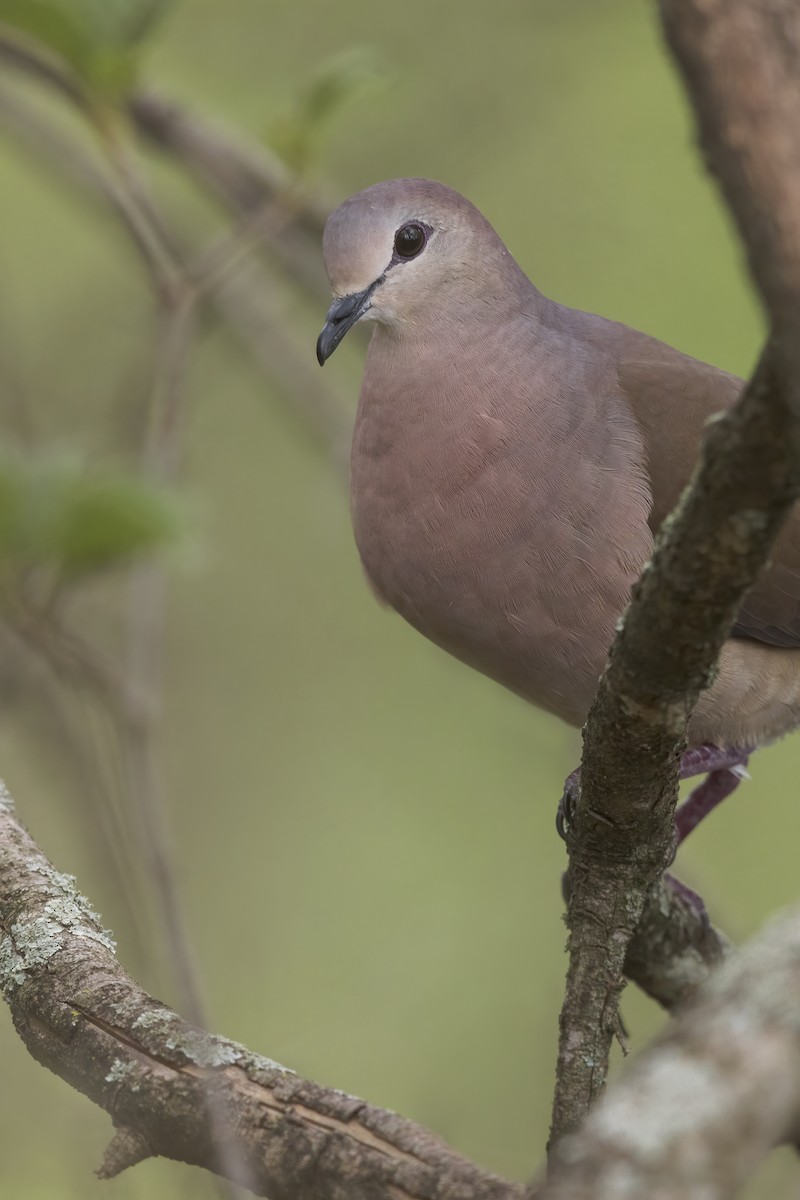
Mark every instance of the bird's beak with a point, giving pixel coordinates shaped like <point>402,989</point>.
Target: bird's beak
<point>342,315</point>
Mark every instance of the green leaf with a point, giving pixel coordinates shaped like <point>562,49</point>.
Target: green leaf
<point>298,135</point>
<point>99,39</point>
<point>54,513</point>
<point>101,521</point>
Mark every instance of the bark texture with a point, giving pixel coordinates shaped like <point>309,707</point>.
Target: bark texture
<point>689,1121</point>
<point>698,1112</point>
<point>701,1108</point>
<point>741,64</point>
<point>173,1089</point>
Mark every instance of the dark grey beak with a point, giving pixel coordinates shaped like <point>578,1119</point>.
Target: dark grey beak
<point>342,315</point>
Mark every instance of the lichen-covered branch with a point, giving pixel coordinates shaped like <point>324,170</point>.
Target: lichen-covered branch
<point>173,1089</point>
<point>692,1118</point>
<point>742,62</point>
<point>699,1110</point>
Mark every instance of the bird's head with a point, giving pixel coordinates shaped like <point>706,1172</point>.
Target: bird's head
<point>393,251</point>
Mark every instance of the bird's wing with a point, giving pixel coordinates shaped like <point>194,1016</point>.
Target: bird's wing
<point>672,396</point>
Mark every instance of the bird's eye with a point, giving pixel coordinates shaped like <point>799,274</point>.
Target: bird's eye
<point>409,240</point>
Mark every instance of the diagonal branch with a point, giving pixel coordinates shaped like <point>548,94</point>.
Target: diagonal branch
<point>246,301</point>
<point>742,63</point>
<point>168,1086</point>
<point>241,173</point>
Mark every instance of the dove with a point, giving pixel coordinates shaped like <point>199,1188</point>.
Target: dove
<point>512,459</point>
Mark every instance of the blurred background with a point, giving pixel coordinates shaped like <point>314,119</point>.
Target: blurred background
<point>304,824</point>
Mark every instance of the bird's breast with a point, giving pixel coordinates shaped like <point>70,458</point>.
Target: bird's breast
<point>483,533</point>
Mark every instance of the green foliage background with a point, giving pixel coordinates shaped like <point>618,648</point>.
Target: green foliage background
<point>364,829</point>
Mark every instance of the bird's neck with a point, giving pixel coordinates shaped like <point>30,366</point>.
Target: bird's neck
<point>448,368</point>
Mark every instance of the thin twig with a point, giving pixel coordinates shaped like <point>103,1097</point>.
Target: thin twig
<point>254,312</point>
<point>240,172</point>
<point>38,138</point>
<point>144,684</point>
<point>34,61</point>
<point>86,697</point>
<point>246,301</point>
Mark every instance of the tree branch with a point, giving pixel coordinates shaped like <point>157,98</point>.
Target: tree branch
<point>674,949</point>
<point>696,1112</point>
<point>173,1089</point>
<point>742,62</point>
<point>702,1106</point>
<point>706,557</point>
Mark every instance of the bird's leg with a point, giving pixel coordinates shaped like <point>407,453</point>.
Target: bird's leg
<point>724,770</point>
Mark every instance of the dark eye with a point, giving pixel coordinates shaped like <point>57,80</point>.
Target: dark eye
<point>409,240</point>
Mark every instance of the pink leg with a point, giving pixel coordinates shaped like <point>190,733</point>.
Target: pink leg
<point>726,769</point>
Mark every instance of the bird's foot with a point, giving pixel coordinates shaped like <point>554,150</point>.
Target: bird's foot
<point>724,770</point>
<point>566,805</point>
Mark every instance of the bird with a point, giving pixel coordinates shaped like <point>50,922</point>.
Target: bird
<point>512,460</point>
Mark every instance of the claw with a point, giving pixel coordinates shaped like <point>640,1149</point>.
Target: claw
<point>566,805</point>
<point>691,898</point>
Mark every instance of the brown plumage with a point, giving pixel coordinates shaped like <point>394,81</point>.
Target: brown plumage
<point>512,458</point>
